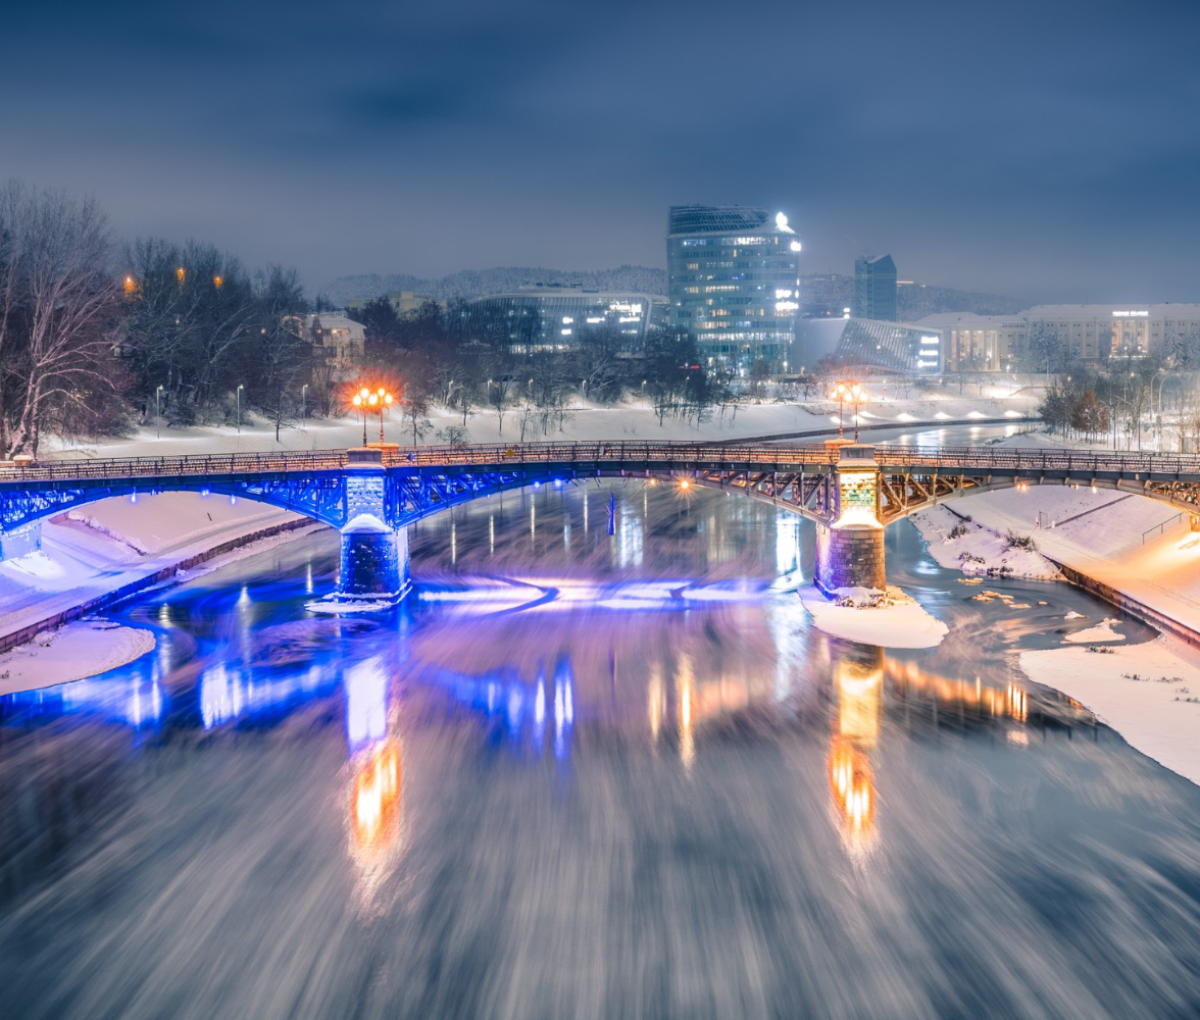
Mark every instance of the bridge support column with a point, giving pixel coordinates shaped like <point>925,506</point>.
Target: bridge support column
<point>373,569</point>
<point>850,550</point>
<point>850,556</point>
<point>374,563</point>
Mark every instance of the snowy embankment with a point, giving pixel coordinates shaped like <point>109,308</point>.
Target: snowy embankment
<point>959,542</point>
<point>1149,693</point>
<point>76,651</point>
<point>873,617</point>
<point>87,555</point>
<point>634,421</point>
<point>1137,547</point>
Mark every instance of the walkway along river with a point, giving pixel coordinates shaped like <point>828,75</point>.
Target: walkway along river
<point>587,774</point>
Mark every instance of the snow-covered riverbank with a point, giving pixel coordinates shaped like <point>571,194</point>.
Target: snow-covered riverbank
<point>113,545</point>
<point>1135,546</point>
<point>1149,693</point>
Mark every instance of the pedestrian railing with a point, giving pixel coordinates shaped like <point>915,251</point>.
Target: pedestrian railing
<point>678,455</point>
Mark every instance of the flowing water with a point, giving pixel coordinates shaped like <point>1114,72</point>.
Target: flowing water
<point>587,774</point>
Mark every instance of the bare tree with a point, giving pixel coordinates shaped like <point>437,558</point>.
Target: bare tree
<point>61,310</point>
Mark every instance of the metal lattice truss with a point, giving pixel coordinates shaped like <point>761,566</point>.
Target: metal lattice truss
<point>900,494</point>
<point>412,495</point>
<point>812,495</point>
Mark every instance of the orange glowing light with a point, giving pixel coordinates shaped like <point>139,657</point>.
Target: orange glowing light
<point>180,275</point>
<point>130,285</point>
<point>685,484</point>
<point>375,798</point>
<point>218,281</point>
<point>851,781</point>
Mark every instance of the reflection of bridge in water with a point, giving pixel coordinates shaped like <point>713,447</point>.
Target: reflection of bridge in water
<point>852,491</point>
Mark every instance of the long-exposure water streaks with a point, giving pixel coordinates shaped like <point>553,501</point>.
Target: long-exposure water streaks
<point>618,776</point>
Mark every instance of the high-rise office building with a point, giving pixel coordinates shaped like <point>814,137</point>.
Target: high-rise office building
<point>875,288</point>
<point>734,283</point>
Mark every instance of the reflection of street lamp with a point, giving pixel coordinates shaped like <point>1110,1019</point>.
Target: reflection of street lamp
<point>239,405</point>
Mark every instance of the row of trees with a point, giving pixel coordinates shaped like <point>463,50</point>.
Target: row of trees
<point>93,338</point>
<point>467,358</point>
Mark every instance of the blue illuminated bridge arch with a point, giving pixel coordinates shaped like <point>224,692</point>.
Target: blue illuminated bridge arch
<point>402,486</point>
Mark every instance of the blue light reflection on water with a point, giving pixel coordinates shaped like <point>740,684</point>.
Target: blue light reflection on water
<point>732,794</point>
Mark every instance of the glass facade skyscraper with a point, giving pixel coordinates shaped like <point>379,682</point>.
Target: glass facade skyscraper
<point>734,283</point>
<point>875,288</point>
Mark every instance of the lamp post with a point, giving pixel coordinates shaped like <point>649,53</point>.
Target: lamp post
<point>304,402</point>
<point>158,412</point>
<point>239,407</point>
<point>852,391</point>
<point>360,401</point>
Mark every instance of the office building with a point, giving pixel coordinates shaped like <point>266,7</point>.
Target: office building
<point>875,288</point>
<point>553,318</point>
<point>734,283</point>
<point>1069,333</point>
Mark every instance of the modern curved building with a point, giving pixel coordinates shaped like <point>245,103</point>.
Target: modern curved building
<point>734,283</point>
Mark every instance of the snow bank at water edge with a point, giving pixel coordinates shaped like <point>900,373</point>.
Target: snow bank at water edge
<point>1102,632</point>
<point>960,543</point>
<point>893,620</point>
<point>1146,692</point>
<point>75,651</point>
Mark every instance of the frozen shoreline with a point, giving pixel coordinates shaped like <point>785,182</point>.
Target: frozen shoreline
<point>1152,713</point>
<point>902,623</point>
<point>74,652</point>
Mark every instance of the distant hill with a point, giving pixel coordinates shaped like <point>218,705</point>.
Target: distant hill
<point>831,291</point>
<point>913,301</point>
<point>474,283</point>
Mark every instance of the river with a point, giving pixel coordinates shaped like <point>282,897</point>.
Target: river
<point>583,774</point>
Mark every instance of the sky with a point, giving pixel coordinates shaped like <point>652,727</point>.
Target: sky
<point>1044,150</point>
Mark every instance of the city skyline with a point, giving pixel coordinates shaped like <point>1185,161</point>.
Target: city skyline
<point>426,142</point>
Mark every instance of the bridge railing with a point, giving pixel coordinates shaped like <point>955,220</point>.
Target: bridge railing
<point>683,454</point>
<point>191,465</point>
<point>602,452</point>
<point>1037,461</point>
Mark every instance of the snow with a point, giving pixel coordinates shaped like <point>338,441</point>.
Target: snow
<point>900,623</point>
<point>976,548</point>
<point>633,420</point>
<point>1093,635</point>
<point>75,651</point>
<point>1152,712</point>
<point>85,556</point>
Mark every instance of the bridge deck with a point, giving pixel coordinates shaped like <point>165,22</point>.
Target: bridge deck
<point>626,455</point>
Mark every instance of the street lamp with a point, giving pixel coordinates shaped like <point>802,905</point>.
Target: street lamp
<point>368,400</point>
<point>239,407</point>
<point>852,391</point>
<point>304,401</point>
<point>158,412</point>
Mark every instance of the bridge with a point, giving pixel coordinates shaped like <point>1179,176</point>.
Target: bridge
<point>371,495</point>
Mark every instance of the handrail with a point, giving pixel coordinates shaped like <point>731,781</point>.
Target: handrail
<point>960,459</point>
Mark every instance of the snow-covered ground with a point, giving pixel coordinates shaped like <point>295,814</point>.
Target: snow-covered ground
<point>87,554</point>
<point>1149,693</point>
<point>1136,546</point>
<point>634,422</point>
<point>897,622</point>
<point>78,650</point>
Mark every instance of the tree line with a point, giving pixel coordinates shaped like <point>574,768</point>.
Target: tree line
<point>97,338</point>
<point>468,357</point>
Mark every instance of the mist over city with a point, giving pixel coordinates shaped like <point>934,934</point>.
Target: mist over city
<point>610,510</point>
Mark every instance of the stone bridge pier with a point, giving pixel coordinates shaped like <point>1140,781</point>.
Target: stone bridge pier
<point>850,548</point>
<point>374,555</point>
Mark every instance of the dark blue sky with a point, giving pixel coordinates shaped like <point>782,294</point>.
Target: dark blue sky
<point>1047,150</point>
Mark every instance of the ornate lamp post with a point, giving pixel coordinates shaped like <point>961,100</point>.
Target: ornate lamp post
<point>368,400</point>
<point>852,391</point>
